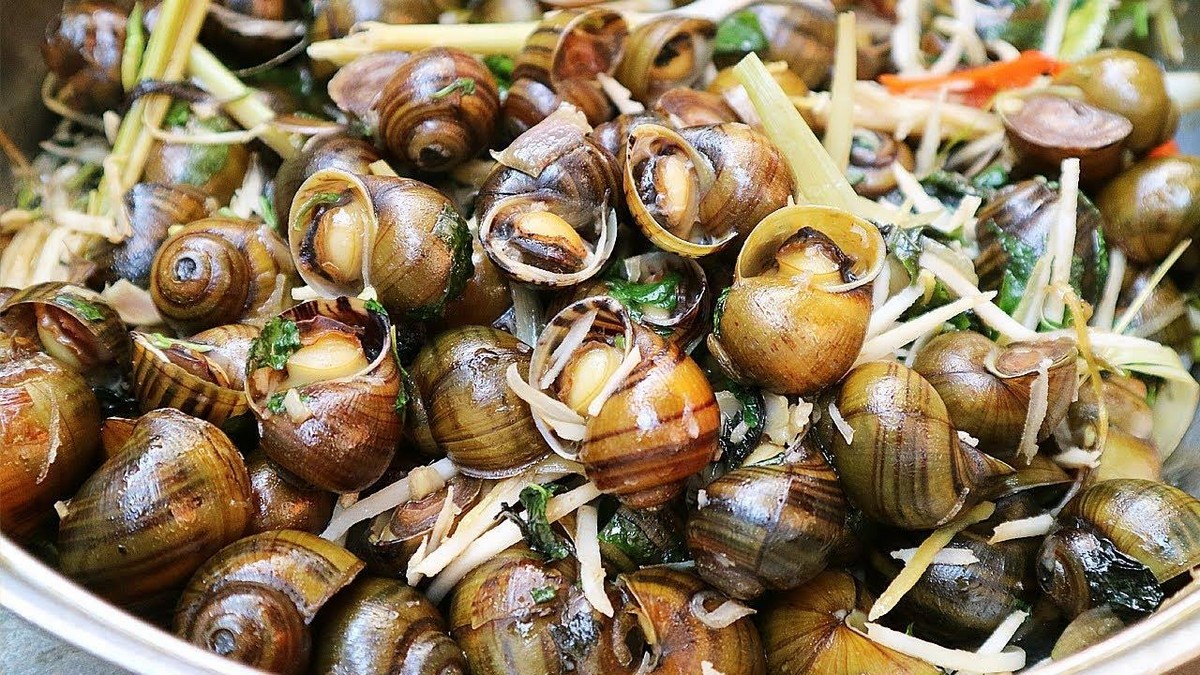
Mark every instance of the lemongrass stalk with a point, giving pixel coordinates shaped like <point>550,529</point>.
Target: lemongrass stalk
<point>818,180</point>
<point>839,133</point>
<point>239,101</point>
<point>1136,306</point>
<point>135,45</point>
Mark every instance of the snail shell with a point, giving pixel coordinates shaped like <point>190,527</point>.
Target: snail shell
<point>744,549</point>
<point>462,372</point>
<point>530,101</point>
<point>399,236</point>
<point>72,324</point>
<point>252,601</point>
<point>218,271</point>
<point>661,600</point>
<point>987,389</point>
<point>152,209</point>
<point>384,626</point>
<point>903,463</point>
<point>666,52</point>
<point>335,151</point>
<point>798,328</point>
<point>438,110</point>
<point>280,504</point>
<point>174,374</point>
<point>333,426</point>
<point>49,431</point>
<point>684,107</point>
<point>174,494</point>
<point>659,425</point>
<point>83,48</point>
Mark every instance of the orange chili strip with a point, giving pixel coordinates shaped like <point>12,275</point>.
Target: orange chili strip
<point>1168,149</point>
<point>985,80</point>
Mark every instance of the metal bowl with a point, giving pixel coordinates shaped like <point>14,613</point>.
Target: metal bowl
<point>39,594</point>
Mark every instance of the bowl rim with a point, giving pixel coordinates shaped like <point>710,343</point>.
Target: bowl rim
<point>42,596</point>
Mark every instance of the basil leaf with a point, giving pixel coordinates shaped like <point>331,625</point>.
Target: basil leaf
<point>533,524</point>
<point>275,403</point>
<point>740,33</point>
<point>279,339</point>
<point>464,84</point>
<point>542,594</point>
<point>636,296</point>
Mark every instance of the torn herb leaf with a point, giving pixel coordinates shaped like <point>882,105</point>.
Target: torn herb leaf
<point>275,403</point>
<point>534,526</point>
<point>267,209</point>
<point>543,594</point>
<point>178,114</point>
<point>740,33</point>
<point>464,84</point>
<point>81,307</point>
<point>374,305</point>
<point>1021,259</point>
<point>662,294</point>
<point>904,243</point>
<point>279,339</point>
<point>320,198</point>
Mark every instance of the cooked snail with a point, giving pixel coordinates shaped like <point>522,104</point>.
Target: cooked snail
<point>335,151</point>
<point>49,431</point>
<point>871,157</point>
<point>83,48</point>
<point>170,373</point>
<point>398,236</point>
<point>152,209</point>
<point>72,324</point>
<point>547,211</point>
<point>384,626</point>
<point>1130,85</point>
<point>769,526</point>
<point>280,504</point>
<point>796,315</point>
<point>898,454</point>
<point>171,496</point>
<point>684,107</point>
<point>461,372</point>
<point>217,170</point>
<point>218,271</point>
<point>254,600</point>
<point>803,35</point>
<point>325,385</point>
<point>1152,206</point>
<point>1047,129</point>
<point>638,414</point>
<point>664,53</point>
<point>438,110</point>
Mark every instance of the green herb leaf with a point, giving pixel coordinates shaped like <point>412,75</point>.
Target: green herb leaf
<point>1021,259</point>
<point>275,403</point>
<point>634,538</point>
<point>636,297</point>
<point>317,199</point>
<point>374,305</point>
<point>454,234</point>
<point>619,342</point>
<point>543,594</point>
<point>992,178</point>
<point>279,339</point>
<point>533,524</point>
<point>904,243</point>
<point>740,33</point>
<point>163,342</point>
<point>267,208</point>
<point>226,212</point>
<point>502,69</point>
<point>719,310</point>
<point>81,307</point>
<point>464,84</point>
<point>178,114</point>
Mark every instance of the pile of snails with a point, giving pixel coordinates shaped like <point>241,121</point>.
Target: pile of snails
<point>507,373</point>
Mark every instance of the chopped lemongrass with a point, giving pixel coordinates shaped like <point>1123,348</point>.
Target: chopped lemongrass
<point>485,39</point>
<point>388,498</point>
<point>240,102</point>
<point>1029,308</point>
<point>906,38</point>
<point>501,537</point>
<point>1039,402</point>
<point>1062,237</point>
<point>839,133</point>
<point>1136,306</point>
<point>565,349</point>
<point>818,180</point>
<point>133,304</point>
<point>591,568</point>
<point>886,344</point>
<point>1008,328</point>
<point>1161,319</point>
<point>1003,634</point>
<point>1056,27</point>
<point>1007,661</point>
<point>911,188</point>
<point>725,615</point>
<point>936,541</point>
<point>961,218</point>
<point>565,422</point>
<point>1078,458</point>
<point>960,557</point>
<point>931,136</point>
<point>1022,528</point>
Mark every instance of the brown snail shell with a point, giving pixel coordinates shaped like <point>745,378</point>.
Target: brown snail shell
<point>175,493</point>
<point>659,425</point>
<point>724,179</point>
<point>280,504</point>
<point>72,324</point>
<point>218,271</point>
<point>904,464</point>
<point>335,151</point>
<point>341,429</point>
<point>485,297</point>
<point>530,101</point>
<point>685,107</point>
<point>871,157</point>
<point>546,213</point>
<point>504,630</point>
<point>83,48</point>
<point>216,170</point>
<point>177,374</point>
<point>384,626</point>
<point>49,432</point>
<point>987,389</point>
<point>438,110</point>
<point>660,599</point>
<point>573,44</point>
<point>152,209</point>
<point>1152,320</point>
<point>807,630</point>
<point>802,35</point>
<point>665,52</point>
<point>462,372</point>
<point>788,331</point>
<point>336,18</point>
<point>252,601</point>
<point>744,549</point>
<point>405,240</point>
